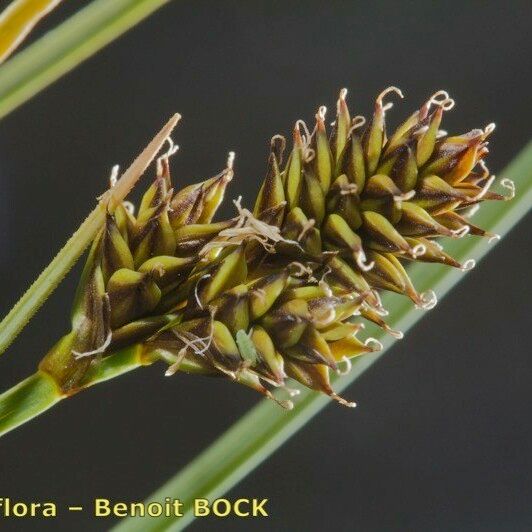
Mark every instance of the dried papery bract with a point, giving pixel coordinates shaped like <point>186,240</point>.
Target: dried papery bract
<point>277,292</point>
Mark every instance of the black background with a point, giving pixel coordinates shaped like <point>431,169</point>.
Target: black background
<point>442,436</point>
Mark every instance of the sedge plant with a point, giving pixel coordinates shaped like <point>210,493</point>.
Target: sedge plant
<point>280,292</point>
<point>331,233</point>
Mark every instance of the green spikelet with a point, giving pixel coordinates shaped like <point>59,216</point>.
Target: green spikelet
<point>133,271</point>
<point>275,293</point>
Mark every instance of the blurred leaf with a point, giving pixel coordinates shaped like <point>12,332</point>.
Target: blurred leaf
<point>18,19</point>
<point>67,46</point>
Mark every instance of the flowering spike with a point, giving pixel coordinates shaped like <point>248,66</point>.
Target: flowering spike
<point>273,294</point>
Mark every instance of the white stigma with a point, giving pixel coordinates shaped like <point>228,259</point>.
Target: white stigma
<point>418,251</point>
<point>113,178</point>
<point>428,300</point>
<point>348,367</point>
<point>468,265</point>
<point>373,344</point>
<point>509,185</point>
<point>360,258</point>
<point>460,233</point>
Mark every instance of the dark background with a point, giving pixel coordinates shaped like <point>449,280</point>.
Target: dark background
<point>442,436</point>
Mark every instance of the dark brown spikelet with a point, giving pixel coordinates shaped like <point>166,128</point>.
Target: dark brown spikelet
<point>275,293</point>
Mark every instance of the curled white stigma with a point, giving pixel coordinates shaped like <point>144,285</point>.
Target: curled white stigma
<point>172,148</point>
<point>468,265</point>
<point>386,91</point>
<point>360,258</point>
<point>373,344</point>
<point>395,333</point>
<point>113,177</point>
<point>494,238</point>
<point>418,250</point>
<point>484,168</point>
<point>460,233</point>
<point>442,99</point>
<point>301,269</point>
<point>326,318</point>
<point>301,124</point>
<point>309,155</point>
<point>357,122</point>
<point>308,152</point>
<point>485,188</point>
<point>509,185</point>
<point>428,300</point>
<point>348,367</point>
<point>206,276</point>
<point>379,309</point>
<point>281,138</point>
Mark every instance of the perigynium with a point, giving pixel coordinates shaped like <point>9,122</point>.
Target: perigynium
<point>277,293</point>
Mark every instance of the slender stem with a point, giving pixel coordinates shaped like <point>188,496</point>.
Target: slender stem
<point>68,45</point>
<point>266,427</point>
<point>26,400</point>
<point>39,392</point>
<point>52,275</point>
<point>18,19</point>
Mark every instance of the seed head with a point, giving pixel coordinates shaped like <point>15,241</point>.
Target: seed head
<point>275,293</point>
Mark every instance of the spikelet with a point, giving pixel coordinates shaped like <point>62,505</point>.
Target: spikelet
<point>274,293</point>
<point>136,270</point>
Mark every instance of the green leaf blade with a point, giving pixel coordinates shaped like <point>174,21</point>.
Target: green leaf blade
<point>68,45</point>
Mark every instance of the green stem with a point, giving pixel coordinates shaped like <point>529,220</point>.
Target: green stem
<point>39,392</point>
<point>26,400</point>
<point>52,275</point>
<point>266,427</point>
<point>65,47</point>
